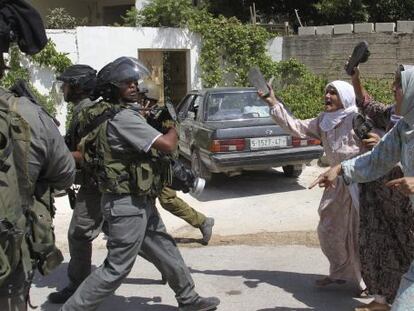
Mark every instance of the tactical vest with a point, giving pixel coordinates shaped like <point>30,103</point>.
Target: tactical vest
<point>72,139</point>
<point>26,228</point>
<point>135,173</point>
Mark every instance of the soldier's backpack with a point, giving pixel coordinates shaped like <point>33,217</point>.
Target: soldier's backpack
<point>26,229</point>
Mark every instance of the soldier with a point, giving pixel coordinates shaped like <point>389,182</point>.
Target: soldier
<point>78,84</point>
<point>168,197</point>
<point>43,161</point>
<point>119,143</point>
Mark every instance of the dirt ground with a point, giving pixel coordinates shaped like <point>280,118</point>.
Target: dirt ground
<point>256,208</point>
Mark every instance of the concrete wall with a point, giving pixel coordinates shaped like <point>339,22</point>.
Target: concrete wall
<point>275,49</point>
<point>97,46</point>
<point>326,53</point>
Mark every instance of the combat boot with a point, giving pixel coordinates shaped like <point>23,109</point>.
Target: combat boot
<point>62,295</point>
<point>201,304</point>
<point>207,230</point>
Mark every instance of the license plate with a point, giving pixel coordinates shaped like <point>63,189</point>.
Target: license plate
<point>268,142</point>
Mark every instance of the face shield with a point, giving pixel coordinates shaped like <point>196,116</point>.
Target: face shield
<point>126,69</point>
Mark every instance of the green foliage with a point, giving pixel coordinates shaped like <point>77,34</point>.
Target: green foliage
<point>342,11</point>
<point>167,13</point>
<point>16,72</point>
<point>51,58</point>
<point>229,47</point>
<point>59,18</point>
<point>380,89</point>
<point>301,90</point>
<point>316,12</point>
<point>130,19</point>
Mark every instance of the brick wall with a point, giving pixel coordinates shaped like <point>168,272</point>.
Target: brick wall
<point>325,49</point>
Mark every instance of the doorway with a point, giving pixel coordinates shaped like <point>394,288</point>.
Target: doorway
<point>168,70</point>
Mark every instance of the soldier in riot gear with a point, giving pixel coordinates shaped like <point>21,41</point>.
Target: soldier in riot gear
<point>33,158</point>
<point>168,197</point>
<point>78,82</point>
<point>118,143</point>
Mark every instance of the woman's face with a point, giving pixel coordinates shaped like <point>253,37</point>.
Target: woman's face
<point>332,100</point>
<point>398,93</point>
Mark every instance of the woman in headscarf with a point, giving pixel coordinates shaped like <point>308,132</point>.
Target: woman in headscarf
<point>386,235</point>
<point>338,209</point>
<point>396,146</point>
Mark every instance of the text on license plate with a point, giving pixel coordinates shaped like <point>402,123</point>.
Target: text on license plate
<point>268,142</point>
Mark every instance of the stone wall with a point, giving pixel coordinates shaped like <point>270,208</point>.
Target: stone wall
<point>325,49</point>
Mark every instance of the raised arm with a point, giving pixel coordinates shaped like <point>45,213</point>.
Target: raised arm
<point>296,127</point>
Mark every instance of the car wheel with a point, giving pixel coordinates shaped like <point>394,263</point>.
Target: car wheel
<point>198,166</point>
<point>292,170</point>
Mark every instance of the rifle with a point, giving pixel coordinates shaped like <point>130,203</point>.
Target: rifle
<point>72,194</point>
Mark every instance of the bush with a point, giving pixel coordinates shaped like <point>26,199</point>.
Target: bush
<point>300,89</point>
<point>59,18</point>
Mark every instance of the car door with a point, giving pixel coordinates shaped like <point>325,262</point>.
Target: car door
<point>184,125</point>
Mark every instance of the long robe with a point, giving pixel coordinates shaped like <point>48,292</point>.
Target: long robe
<point>338,210</point>
<point>386,236</point>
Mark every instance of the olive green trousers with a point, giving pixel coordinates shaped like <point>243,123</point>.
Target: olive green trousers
<point>176,206</point>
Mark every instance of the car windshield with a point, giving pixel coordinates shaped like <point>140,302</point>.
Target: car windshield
<point>235,106</point>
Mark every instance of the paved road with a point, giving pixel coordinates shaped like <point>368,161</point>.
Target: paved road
<point>245,278</point>
<point>258,258</point>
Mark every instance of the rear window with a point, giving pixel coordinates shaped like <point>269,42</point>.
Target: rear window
<point>236,106</point>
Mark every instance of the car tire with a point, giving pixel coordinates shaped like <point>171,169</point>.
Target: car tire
<point>292,170</point>
<point>198,166</point>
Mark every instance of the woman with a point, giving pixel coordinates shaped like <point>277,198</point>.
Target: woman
<point>386,233</point>
<point>396,146</point>
<point>338,209</point>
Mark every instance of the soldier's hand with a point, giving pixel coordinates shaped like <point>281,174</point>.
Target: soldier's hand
<point>371,141</point>
<point>405,185</point>
<point>77,155</point>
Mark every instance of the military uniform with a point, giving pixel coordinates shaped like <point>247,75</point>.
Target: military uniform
<point>132,221</point>
<point>49,165</point>
<point>87,219</point>
<point>171,202</point>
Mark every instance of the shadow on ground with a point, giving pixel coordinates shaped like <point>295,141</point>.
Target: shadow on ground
<point>58,280</point>
<point>338,298</point>
<point>248,184</point>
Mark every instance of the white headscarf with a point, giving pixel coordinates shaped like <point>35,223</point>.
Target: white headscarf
<point>407,107</point>
<point>346,94</point>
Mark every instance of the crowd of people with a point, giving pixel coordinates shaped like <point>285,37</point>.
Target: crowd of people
<point>123,164</point>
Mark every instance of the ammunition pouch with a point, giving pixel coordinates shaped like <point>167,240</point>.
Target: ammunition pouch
<point>41,237</point>
<point>10,242</point>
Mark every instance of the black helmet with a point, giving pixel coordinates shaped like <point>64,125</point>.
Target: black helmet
<point>81,76</point>
<point>121,69</point>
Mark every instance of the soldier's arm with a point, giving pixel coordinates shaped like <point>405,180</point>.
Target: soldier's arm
<point>58,170</point>
<point>167,143</point>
